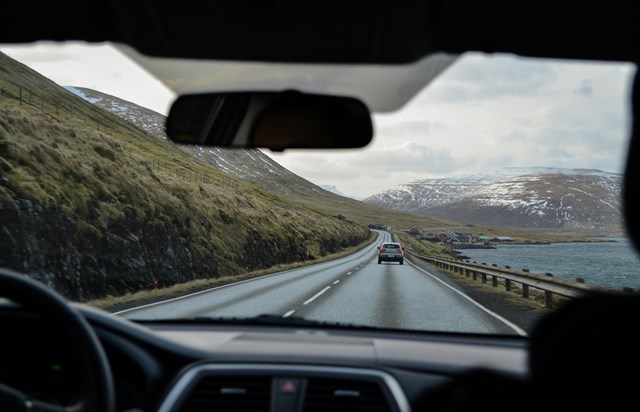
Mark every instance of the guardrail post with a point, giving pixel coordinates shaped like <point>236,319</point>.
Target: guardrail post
<point>548,299</point>
<point>519,279</point>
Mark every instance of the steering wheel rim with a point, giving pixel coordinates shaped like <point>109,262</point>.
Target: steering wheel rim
<point>100,394</point>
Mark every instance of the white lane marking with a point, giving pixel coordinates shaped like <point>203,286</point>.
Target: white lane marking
<point>336,282</point>
<point>317,295</point>
<point>205,291</point>
<point>518,330</point>
<point>348,273</point>
<point>291,312</point>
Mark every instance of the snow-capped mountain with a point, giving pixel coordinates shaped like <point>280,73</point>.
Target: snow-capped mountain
<point>576,200</point>
<point>145,119</point>
<point>250,164</point>
<point>334,189</point>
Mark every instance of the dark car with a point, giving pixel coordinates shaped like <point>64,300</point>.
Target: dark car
<point>390,252</point>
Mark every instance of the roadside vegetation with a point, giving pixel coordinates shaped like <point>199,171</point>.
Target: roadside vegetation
<point>129,300</point>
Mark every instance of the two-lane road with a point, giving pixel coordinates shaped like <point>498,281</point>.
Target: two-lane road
<point>354,289</point>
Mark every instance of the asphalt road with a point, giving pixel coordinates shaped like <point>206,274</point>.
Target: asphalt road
<point>354,289</point>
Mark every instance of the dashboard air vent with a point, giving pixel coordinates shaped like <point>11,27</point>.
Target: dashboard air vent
<point>345,395</point>
<point>229,393</point>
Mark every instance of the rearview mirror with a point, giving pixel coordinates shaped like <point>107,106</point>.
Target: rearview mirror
<point>274,120</point>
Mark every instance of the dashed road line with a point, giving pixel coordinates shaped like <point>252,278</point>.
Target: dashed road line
<point>336,282</point>
<point>317,295</point>
<point>291,312</point>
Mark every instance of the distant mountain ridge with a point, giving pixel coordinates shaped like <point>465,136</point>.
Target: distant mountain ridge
<point>334,189</point>
<point>582,201</point>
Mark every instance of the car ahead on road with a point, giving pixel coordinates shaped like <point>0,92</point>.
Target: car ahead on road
<point>385,92</point>
<point>391,252</point>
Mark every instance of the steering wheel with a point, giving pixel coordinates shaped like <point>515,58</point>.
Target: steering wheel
<point>99,395</point>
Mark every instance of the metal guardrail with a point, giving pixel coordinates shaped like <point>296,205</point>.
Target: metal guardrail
<point>543,282</point>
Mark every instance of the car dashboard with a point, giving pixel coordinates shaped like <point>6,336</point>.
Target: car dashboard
<point>195,366</point>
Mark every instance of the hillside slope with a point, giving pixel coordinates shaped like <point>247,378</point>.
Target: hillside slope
<point>247,164</point>
<point>92,205</point>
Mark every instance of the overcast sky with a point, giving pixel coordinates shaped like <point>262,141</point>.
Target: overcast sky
<point>484,112</point>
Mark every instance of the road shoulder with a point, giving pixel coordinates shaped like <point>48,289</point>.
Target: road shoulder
<point>522,312</point>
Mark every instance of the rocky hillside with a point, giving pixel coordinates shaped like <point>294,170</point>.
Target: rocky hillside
<point>92,205</point>
<point>572,200</point>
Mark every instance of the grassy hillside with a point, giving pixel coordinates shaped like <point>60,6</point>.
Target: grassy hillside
<point>84,209</point>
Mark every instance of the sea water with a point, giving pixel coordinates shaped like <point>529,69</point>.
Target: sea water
<point>612,263</point>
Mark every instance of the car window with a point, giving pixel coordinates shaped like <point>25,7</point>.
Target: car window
<point>501,175</point>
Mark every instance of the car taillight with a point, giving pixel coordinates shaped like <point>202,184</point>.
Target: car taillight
<point>400,250</point>
<point>382,249</point>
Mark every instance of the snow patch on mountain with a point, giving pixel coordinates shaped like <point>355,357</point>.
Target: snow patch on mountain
<point>249,164</point>
<point>145,119</point>
<point>584,200</point>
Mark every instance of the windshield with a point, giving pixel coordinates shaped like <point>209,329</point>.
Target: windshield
<point>487,200</point>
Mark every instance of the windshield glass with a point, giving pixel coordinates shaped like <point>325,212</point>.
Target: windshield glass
<point>499,184</point>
